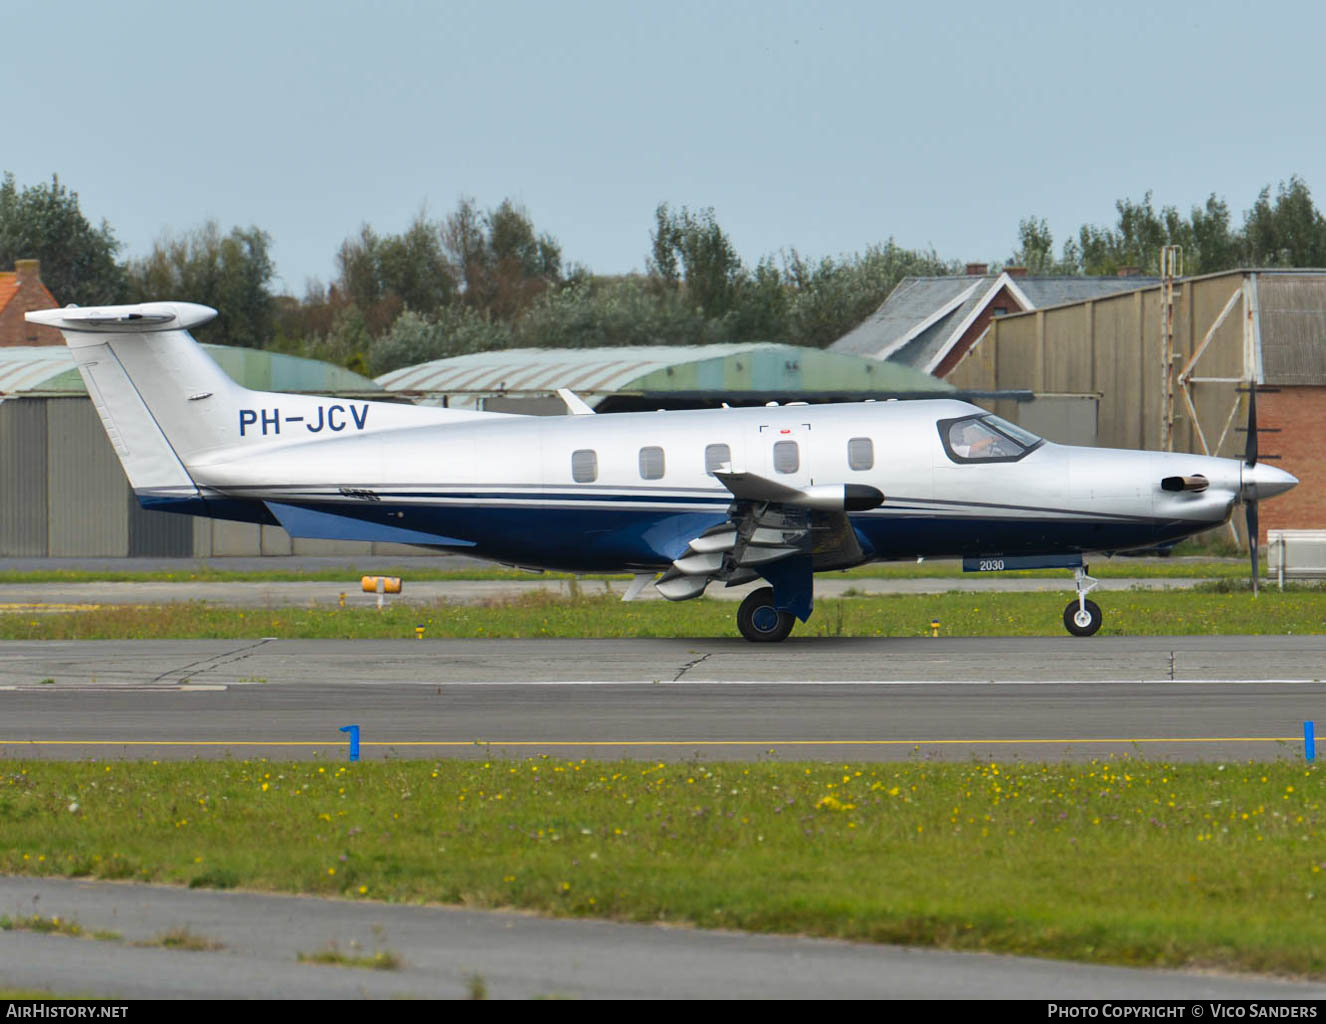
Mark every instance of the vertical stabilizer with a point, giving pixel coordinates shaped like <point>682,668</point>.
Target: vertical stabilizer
<point>125,353</point>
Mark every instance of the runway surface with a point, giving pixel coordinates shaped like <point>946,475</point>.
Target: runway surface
<point>514,956</point>
<point>813,698</point>
<point>61,597</point>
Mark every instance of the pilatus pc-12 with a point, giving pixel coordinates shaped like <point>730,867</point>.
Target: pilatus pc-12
<point>681,499</point>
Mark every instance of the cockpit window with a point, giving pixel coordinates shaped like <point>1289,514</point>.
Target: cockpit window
<point>985,439</point>
<point>1026,438</point>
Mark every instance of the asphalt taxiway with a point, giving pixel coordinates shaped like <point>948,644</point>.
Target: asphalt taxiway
<point>863,699</point>
<point>447,952</point>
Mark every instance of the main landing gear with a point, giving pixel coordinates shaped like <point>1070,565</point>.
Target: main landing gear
<point>759,621</point>
<point>1082,617</point>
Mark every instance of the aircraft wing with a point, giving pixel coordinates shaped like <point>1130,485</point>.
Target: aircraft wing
<point>772,529</point>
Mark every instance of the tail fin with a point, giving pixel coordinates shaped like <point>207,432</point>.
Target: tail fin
<point>181,427</point>
<point>145,386</point>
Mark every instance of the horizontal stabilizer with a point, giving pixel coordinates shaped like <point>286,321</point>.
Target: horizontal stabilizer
<point>146,316</point>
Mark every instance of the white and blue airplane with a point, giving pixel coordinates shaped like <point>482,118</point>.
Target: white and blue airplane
<point>681,499</point>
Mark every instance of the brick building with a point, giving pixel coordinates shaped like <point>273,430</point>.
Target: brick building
<point>21,291</point>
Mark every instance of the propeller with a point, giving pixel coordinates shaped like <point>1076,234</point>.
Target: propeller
<point>1250,460</point>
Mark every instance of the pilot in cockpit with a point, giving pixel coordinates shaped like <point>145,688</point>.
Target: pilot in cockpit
<point>972,442</point>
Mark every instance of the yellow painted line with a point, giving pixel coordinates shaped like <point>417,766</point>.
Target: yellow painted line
<point>635,743</point>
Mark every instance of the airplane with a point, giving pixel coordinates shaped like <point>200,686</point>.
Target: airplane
<point>680,499</point>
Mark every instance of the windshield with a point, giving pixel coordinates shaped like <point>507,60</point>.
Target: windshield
<point>985,438</point>
<point>1025,437</point>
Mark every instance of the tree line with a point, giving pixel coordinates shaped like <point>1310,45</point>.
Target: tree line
<point>477,280</point>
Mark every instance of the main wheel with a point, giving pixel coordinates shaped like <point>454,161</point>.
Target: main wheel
<point>759,621</point>
<point>1082,621</point>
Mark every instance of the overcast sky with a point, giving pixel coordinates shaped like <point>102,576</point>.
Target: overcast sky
<point>825,127</point>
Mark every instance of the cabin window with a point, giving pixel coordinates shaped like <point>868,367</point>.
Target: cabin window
<point>584,466</point>
<point>716,456</point>
<point>786,457</point>
<point>651,463</point>
<point>861,453</point>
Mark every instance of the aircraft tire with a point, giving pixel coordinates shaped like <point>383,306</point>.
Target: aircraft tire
<point>760,622</point>
<point>1079,624</point>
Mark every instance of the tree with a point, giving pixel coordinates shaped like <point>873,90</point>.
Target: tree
<point>465,244</point>
<point>383,275</point>
<point>1036,250</point>
<point>1213,246</point>
<point>521,264</point>
<point>228,272</point>
<point>664,243</point>
<point>1135,242</point>
<point>710,268</point>
<point>457,330</point>
<point>44,222</point>
<point>501,261</point>
<point>831,297</point>
<point>1289,232</point>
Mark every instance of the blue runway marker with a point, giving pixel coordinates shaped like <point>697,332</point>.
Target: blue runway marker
<point>353,730</point>
<point>1309,741</point>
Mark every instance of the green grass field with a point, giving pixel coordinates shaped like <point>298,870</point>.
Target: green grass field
<point>1120,861</point>
<point>1219,609</point>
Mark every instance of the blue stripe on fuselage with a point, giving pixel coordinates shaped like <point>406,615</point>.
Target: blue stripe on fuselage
<point>597,532</point>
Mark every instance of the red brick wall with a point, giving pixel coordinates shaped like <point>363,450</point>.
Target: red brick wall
<point>1300,413</point>
<point>31,294</point>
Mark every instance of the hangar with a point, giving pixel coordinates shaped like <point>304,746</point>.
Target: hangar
<point>636,378</point>
<point>63,493</point>
<point>1170,365</point>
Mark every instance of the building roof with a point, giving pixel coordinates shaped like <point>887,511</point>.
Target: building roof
<point>8,287</point>
<point>924,317</point>
<point>50,369</point>
<point>1291,326</point>
<point>597,372</point>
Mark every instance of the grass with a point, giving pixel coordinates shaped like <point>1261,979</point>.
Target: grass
<point>183,938</point>
<point>53,926</point>
<point>1118,861</point>
<point>1222,607</point>
<point>382,960</point>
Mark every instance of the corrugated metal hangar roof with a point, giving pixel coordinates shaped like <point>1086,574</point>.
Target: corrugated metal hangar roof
<point>1292,327</point>
<point>711,369</point>
<point>49,369</point>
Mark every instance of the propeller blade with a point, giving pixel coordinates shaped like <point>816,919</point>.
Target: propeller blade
<point>1251,510</point>
<point>1250,454</point>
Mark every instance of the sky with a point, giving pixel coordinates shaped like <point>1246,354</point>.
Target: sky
<point>823,127</point>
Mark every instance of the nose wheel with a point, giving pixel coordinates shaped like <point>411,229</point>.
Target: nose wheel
<point>1083,617</point>
<point>759,621</point>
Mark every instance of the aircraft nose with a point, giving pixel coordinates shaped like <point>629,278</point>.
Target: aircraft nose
<point>1262,481</point>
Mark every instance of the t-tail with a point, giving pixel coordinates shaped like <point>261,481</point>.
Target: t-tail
<point>168,409</point>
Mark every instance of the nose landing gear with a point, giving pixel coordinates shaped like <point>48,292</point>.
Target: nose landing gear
<point>1083,617</point>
